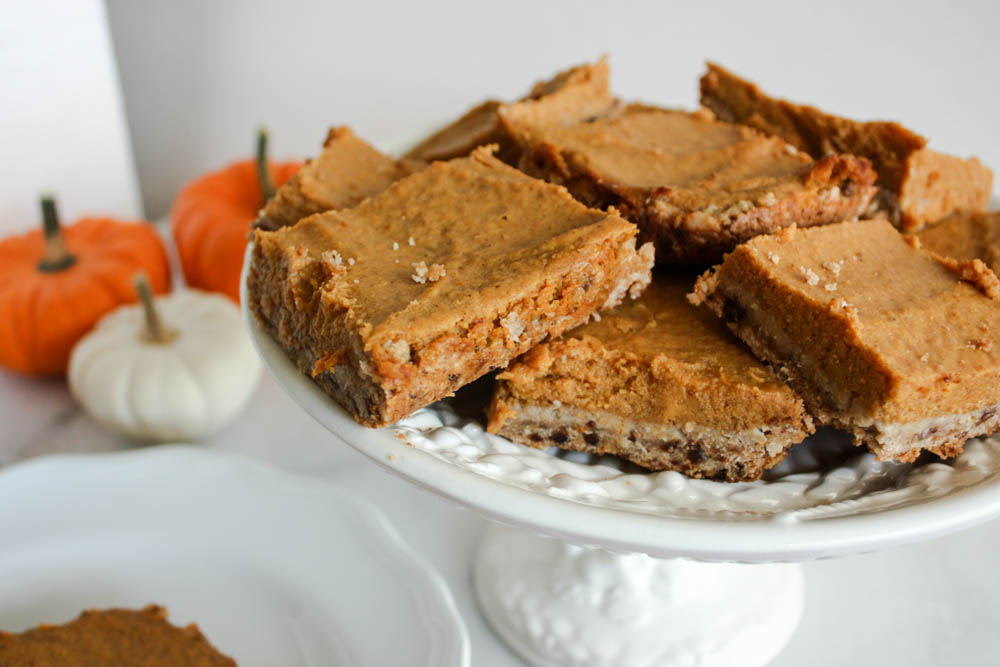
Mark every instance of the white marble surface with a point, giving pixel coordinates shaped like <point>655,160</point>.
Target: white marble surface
<point>924,605</point>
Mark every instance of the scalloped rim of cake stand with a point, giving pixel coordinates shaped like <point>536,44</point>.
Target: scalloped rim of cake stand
<point>623,530</point>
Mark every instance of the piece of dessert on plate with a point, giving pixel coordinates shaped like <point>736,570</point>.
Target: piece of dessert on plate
<point>112,637</point>
<point>346,172</point>
<point>656,381</point>
<point>446,275</point>
<point>917,185</point>
<point>966,235</point>
<point>694,185</point>
<point>885,340</point>
<point>572,96</point>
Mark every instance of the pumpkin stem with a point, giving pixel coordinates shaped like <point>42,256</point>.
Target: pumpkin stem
<point>154,331</point>
<point>263,173</point>
<point>57,257</point>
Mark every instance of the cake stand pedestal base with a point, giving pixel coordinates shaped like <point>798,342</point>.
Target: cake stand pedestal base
<point>555,603</point>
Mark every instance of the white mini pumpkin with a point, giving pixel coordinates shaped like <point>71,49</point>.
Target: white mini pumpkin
<point>179,379</point>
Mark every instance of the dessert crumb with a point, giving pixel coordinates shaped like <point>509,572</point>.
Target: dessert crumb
<point>775,258</point>
<point>399,349</point>
<point>788,233</point>
<point>791,150</point>
<point>514,326</point>
<point>350,260</point>
<point>420,272</point>
<point>768,200</point>
<point>332,257</point>
<point>843,306</point>
<point>925,357</point>
<point>436,272</point>
<point>830,287</point>
<point>833,267</point>
<point>809,275</point>
<point>395,246</point>
<point>332,261</point>
<point>411,241</point>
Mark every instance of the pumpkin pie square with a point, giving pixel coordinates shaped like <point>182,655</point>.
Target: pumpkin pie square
<point>656,381</point>
<point>347,171</point>
<point>883,339</point>
<point>694,185</point>
<point>966,235</point>
<point>574,95</point>
<point>446,275</point>
<point>917,185</point>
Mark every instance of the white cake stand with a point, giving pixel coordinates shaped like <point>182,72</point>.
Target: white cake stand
<point>597,560</point>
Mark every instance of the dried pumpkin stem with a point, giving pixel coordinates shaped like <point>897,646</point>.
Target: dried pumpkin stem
<point>154,331</point>
<point>263,173</point>
<point>57,257</point>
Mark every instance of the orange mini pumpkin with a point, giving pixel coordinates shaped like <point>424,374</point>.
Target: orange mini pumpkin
<point>57,282</point>
<point>211,219</point>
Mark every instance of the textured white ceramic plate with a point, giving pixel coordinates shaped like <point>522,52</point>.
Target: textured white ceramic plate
<point>827,499</point>
<point>276,569</point>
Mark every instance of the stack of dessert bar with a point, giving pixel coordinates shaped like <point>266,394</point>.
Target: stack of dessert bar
<point>853,284</point>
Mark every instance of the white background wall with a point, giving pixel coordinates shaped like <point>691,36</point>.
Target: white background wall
<point>198,77</point>
<point>62,123</point>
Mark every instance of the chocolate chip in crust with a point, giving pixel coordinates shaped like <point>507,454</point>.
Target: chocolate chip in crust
<point>732,311</point>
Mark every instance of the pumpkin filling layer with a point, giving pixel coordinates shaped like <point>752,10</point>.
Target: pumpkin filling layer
<point>446,275</point>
